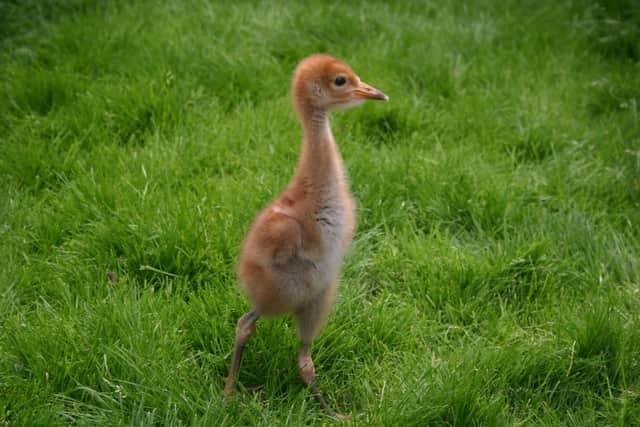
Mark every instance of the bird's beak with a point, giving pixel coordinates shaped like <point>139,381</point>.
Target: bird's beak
<point>365,91</point>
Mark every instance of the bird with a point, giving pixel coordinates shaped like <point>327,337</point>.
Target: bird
<point>291,257</point>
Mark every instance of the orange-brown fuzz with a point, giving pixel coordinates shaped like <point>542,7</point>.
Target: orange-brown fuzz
<point>291,257</point>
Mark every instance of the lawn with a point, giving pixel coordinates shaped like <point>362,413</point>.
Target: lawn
<point>495,274</point>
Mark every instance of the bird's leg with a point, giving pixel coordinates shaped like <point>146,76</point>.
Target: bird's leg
<point>308,375</point>
<point>245,327</point>
<point>310,319</point>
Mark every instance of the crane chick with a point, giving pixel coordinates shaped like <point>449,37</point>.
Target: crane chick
<point>292,254</point>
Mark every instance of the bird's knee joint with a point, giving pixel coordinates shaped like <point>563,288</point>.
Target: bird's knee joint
<point>245,327</point>
<point>307,370</point>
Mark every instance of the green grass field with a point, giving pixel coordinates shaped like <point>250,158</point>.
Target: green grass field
<point>495,274</point>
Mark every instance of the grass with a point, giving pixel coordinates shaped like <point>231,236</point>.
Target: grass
<point>495,275</point>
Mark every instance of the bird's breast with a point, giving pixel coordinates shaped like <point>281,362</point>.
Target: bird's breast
<point>334,217</point>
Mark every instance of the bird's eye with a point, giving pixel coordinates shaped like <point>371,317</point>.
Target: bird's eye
<point>340,80</point>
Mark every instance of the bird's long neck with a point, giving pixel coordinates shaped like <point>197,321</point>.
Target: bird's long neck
<point>320,164</point>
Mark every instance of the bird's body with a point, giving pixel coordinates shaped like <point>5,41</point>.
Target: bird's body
<point>294,249</point>
<point>291,257</point>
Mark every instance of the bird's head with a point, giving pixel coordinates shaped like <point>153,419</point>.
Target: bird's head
<point>324,82</point>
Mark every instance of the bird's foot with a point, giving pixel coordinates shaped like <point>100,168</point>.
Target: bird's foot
<point>342,417</point>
